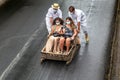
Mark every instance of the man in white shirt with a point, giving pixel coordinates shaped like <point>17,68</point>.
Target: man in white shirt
<point>79,19</point>
<point>53,12</point>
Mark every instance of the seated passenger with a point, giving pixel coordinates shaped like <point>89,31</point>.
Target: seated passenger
<point>54,36</point>
<point>70,32</point>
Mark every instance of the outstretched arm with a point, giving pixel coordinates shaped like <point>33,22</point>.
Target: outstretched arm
<point>52,31</point>
<point>78,29</point>
<point>75,33</point>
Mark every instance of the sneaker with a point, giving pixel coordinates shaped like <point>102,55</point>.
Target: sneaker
<point>87,40</point>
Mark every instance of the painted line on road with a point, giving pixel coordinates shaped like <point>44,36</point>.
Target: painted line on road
<point>21,53</point>
<point>90,9</point>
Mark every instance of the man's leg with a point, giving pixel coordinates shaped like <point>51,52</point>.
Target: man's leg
<point>48,25</point>
<point>86,37</point>
<point>85,32</point>
<point>78,39</point>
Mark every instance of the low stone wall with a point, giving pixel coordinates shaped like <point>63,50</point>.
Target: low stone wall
<point>114,68</point>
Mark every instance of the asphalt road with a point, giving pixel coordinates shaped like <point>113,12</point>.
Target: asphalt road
<point>18,23</point>
<point>19,19</point>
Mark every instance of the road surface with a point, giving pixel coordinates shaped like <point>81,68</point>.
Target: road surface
<point>89,64</point>
<point>19,19</point>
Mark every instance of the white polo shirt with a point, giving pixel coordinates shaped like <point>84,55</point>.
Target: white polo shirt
<point>52,14</point>
<point>78,16</point>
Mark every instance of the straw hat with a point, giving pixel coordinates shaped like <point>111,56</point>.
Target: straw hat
<point>55,6</point>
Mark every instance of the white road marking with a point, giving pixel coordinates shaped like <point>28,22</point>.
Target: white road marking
<point>90,10</point>
<point>20,54</point>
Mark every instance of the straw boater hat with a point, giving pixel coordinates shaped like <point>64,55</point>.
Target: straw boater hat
<point>55,6</point>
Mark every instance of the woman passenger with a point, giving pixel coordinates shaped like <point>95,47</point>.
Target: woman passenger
<point>70,32</point>
<point>54,36</point>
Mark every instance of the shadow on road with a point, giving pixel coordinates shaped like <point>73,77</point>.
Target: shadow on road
<point>9,8</point>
